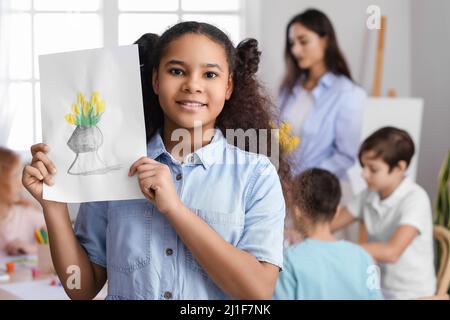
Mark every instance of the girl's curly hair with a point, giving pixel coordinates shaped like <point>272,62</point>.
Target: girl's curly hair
<point>249,107</point>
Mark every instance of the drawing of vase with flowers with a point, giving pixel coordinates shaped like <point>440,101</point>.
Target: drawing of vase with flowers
<point>87,138</point>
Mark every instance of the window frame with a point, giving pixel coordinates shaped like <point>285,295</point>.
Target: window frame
<point>109,13</point>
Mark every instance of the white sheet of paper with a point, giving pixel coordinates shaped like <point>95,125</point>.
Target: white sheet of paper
<point>93,148</point>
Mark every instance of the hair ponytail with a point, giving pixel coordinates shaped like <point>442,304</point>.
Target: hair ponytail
<point>147,45</point>
<point>247,58</point>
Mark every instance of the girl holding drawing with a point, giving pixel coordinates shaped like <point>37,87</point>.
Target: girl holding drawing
<point>211,226</point>
<point>318,92</point>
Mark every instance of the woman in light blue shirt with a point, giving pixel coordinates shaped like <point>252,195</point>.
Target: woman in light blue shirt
<point>211,223</point>
<point>318,97</point>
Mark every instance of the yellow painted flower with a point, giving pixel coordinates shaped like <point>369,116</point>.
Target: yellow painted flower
<point>95,98</point>
<point>70,118</point>
<point>100,106</point>
<point>86,107</point>
<point>75,109</point>
<point>80,99</point>
<point>86,113</point>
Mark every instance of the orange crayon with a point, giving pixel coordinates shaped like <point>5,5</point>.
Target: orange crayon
<point>10,266</point>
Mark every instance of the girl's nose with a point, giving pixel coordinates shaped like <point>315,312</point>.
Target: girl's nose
<point>192,85</point>
<point>296,50</point>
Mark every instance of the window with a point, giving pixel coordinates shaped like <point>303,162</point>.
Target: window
<point>49,26</point>
<point>42,27</point>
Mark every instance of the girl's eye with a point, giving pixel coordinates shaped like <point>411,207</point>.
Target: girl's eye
<point>303,43</point>
<point>210,75</point>
<point>176,72</point>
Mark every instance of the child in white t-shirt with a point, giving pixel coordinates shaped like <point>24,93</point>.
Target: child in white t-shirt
<point>397,215</point>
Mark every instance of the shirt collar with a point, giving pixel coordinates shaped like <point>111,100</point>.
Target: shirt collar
<point>324,83</point>
<point>327,79</point>
<point>393,200</point>
<point>206,155</point>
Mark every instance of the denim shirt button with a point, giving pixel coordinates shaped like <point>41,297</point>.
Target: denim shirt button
<point>179,176</point>
<point>169,252</point>
<point>168,295</point>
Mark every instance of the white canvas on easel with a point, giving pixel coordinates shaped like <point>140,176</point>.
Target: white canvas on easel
<point>403,113</point>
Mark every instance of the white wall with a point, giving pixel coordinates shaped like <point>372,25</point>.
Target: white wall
<point>349,19</point>
<point>431,80</point>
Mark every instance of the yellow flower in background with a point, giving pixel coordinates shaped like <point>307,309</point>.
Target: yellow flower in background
<point>288,141</point>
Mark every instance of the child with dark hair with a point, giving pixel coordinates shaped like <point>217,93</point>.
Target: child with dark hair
<point>397,215</point>
<point>18,218</point>
<point>320,267</point>
<point>211,226</point>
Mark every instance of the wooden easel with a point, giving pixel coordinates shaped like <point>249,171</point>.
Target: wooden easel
<point>379,60</point>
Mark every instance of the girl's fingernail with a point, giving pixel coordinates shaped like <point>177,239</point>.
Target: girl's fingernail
<point>54,170</point>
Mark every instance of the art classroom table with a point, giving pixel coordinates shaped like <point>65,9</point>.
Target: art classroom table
<point>22,285</point>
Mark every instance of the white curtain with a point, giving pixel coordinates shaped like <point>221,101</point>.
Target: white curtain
<point>6,112</point>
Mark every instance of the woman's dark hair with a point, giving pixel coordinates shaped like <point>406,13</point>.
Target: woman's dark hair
<point>317,194</point>
<point>319,23</point>
<point>390,144</point>
<point>248,107</point>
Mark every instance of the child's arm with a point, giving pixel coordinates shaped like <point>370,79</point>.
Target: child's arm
<point>342,219</point>
<point>391,250</point>
<point>68,255</point>
<point>235,271</point>
<point>65,249</point>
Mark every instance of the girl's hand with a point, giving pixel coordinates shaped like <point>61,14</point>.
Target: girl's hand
<point>38,172</point>
<point>155,181</point>
<point>17,247</point>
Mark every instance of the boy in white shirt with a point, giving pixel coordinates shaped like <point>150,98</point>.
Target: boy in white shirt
<point>397,215</point>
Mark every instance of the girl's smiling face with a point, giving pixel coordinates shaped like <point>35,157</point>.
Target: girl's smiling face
<point>193,81</point>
